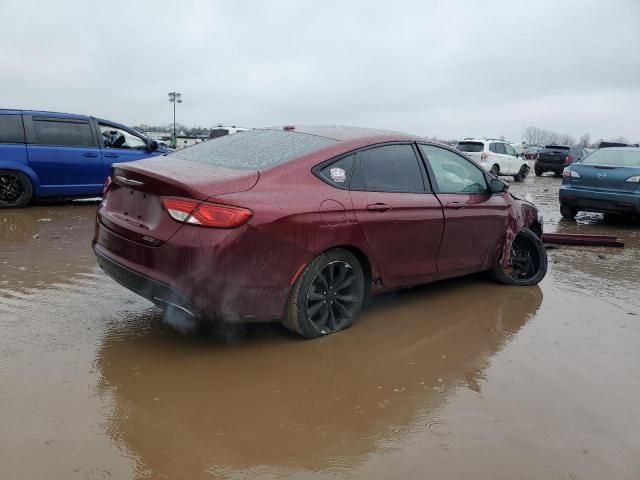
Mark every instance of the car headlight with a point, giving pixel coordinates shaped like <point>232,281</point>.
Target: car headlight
<point>634,179</point>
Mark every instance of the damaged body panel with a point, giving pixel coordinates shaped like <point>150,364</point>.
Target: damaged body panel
<point>244,229</point>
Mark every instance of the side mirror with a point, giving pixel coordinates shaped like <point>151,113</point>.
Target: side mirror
<point>498,186</point>
<point>153,146</point>
<point>517,155</point>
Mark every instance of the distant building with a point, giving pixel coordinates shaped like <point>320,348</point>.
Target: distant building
<point>221,131</point>
<point>187,141</point>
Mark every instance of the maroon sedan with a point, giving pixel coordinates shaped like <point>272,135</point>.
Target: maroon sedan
<point>303,224</point>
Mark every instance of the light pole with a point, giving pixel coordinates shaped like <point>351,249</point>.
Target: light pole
<point>175,97</point>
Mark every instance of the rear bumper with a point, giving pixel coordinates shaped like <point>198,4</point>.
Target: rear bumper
<point>157,292</point>
<point>236,275</point>
<point>600,201</point>
<point>549,167</point>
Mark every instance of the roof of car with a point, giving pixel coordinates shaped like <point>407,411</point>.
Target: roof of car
<point>44,113</point>
<point>624,149</point>
<point>482,140</point>
<point>347,133</point>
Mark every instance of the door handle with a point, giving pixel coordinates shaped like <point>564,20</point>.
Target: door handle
<point>111,155</point>
<point>88,154</point>
<point>456,205</point>
<point>378,207</point>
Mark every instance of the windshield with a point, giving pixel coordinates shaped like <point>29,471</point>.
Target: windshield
<point>470,146</point>
<point>254,149</point>
<point>557,147</point>
<point>613,158</point>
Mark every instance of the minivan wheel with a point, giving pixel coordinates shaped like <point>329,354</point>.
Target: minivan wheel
<point>327,295</point>
<point>568,211</point>
<point>15,189</point>
<point>495,170</point>
<point>527,261</point>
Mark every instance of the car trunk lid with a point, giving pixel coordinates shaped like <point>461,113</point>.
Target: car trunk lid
<point>604,177</point>
<point>133,206</point>
<point>471,149</point>
<point>554,155</point>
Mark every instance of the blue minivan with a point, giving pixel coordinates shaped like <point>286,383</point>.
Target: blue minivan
<point>48,154</point>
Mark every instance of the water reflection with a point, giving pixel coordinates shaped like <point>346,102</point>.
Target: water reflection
<point>258,400</point>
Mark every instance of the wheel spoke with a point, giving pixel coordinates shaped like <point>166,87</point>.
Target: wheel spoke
<point>346,282</point>
<point>331,273</point>
<point>347,298</point>
<point>344,271</point>
<point>332,323</point>
<point>311,311</point>
<point>315,296</point>
<point>342,307</point>
<point>324,316</point>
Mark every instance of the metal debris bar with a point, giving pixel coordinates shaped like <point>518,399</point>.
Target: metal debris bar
<point>582,239</point>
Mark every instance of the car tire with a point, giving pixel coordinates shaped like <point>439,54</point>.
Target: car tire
<point>528,259</point>
<point>327,295</point>
<point>538,171</point>
<point>16,190</point>
<point>568,211</point>
<point>522,174</point>
<point>495,169</point>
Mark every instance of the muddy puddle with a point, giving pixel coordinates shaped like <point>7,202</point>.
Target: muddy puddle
<point>462,379</point>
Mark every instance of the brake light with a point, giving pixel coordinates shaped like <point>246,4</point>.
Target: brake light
<point>568,160</point>
<point>484,156</point>
<point>567,172</point>
<point>205,214</point>
<point>107,184</point>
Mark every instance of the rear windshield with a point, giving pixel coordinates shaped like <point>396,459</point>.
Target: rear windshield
<point>470,146</point>
<point>557,147</point>
<point>613,158</point>
<point>254,149</point>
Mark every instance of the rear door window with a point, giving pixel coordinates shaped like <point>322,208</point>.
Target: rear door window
<point>62,133</point>
<point>497,148</point>
<point>390,168</point>
<point>473,147</point>
<point>11,129</point>
<point>453,173</point>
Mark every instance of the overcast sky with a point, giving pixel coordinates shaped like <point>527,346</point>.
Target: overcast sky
<point>444,69</point>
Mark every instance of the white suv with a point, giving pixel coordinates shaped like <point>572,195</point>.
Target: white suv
<point>495,156</point>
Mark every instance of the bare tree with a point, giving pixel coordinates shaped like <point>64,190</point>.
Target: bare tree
<point>584,140</point>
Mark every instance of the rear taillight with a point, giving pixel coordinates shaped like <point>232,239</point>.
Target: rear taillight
<point>205,214</point>
<point>484,156</point>
<point>567,172</point>
<point>107,184</point>
<point>568,160</point>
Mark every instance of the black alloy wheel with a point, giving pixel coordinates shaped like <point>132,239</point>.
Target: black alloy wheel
<point>527,261</point>
<point>15,189</point>
<point>327,295</point>
<point>333,297</point>
<point>523,261</point>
